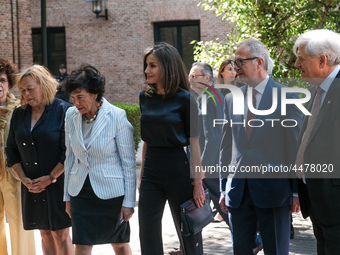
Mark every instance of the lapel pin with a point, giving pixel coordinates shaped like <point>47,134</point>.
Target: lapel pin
<point>329,102</point>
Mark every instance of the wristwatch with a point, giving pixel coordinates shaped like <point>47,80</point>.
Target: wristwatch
<point>53,180</point>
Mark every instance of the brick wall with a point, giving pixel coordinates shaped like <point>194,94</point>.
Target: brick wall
<point>115,46</point>
<point>19,25</point>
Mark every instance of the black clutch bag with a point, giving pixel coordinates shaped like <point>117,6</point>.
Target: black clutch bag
<point>195,219</point>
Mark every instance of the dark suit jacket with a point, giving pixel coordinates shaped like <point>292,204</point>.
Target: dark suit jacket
<point>39,151</point>
<point>210,136</point>
<point>267,145</point>
<point>323,148</point>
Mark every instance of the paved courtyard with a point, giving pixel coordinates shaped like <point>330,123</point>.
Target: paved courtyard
<point>216,238</point>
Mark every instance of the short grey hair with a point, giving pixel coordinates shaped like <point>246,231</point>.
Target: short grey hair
<point>206,69</point>
<point>257,49</point>
<point>270,66</point>
<point>320,42</point>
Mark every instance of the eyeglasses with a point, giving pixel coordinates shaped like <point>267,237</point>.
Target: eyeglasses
<point>195,76</point>
<point>239,62</point>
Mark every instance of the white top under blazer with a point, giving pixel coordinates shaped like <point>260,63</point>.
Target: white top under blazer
<point>108,159</point>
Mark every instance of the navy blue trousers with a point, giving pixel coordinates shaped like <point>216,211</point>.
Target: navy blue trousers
<point>274,226</point>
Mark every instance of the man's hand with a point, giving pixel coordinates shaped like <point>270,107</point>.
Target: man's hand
<point>295,207</point>
<point>222,204</point>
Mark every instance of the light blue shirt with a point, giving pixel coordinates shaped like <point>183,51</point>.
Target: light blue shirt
<point>327,82</point>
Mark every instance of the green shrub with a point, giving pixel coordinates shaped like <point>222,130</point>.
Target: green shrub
<point>133,115</point>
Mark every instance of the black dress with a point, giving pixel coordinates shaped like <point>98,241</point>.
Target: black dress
<point>39,150</point>
<point>165,127</point>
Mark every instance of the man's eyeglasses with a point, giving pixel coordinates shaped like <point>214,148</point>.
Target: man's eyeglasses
<point>195,76</point>
<point>239,62</point>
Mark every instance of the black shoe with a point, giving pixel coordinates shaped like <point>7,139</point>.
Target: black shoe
<point>291,232</point>
<point>176,251</point>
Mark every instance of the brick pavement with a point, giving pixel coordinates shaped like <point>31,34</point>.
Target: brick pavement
<point>216,238</point>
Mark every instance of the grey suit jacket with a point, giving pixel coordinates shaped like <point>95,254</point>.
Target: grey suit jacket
<point>210,136</point>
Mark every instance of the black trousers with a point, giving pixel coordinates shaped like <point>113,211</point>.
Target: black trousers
<point>166,177</point>
<point>327,236</point>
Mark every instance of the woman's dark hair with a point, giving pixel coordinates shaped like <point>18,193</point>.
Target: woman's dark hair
<point>173,73</point>
<point>10,70</point>
<point>86,77</point>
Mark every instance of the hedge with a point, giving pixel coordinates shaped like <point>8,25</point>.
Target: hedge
<point>133,115</point>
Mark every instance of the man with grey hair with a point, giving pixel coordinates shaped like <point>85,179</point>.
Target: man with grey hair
<point>318,58</point>
<point>254,198</point>
<point>201,80</point>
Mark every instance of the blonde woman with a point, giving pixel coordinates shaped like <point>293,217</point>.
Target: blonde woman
<point>36,152</point>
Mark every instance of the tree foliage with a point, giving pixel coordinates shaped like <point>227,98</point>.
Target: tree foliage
<point>276,23</point>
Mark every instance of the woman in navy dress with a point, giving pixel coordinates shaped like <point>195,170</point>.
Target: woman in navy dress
<point>36,152</point>
<point>165,128</point>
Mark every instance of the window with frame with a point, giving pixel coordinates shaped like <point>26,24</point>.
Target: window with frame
<point>179,34</point>
<point>56,49</point>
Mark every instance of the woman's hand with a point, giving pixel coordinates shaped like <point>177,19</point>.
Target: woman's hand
<point>198,194</point>
<point>27,182</point>
<point>139,186</point>
<point>142,165</point>
<point>39,184</point>
<point>68,208</point>
<point>126,213</point>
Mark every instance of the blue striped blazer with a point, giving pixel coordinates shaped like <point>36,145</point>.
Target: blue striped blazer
<point>109,158</point>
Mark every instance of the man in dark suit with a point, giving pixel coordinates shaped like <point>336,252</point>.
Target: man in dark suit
<point>201,80</point>
<point>60,77</point>
<point>249,197</point>
<point>318,58</point>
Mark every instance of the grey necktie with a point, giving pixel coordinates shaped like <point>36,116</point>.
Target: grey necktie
<point>315,111</point>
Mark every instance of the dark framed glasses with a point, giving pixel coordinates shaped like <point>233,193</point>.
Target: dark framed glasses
<point>239,62</point>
